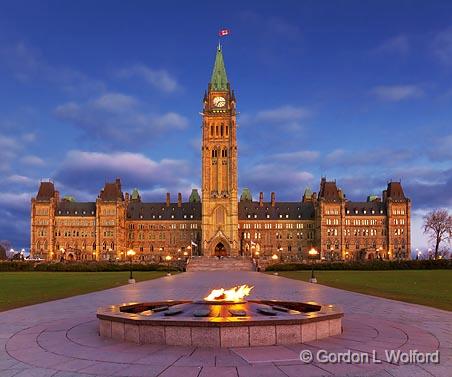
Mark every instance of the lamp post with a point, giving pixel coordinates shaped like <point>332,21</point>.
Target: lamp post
<point>168,260</point>
<point>313,255</point>
<point>275,259</point>
<point>62,250</point>
<point>130,254</point>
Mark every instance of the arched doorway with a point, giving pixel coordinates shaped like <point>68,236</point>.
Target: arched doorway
<point>220,250</point>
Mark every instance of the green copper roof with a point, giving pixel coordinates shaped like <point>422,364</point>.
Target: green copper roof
<point>219,78</point>
<point>135,194</point>
<point>194,196</point>
<point>69,198</point>
<point>308,193</point>
<point>246,195</point>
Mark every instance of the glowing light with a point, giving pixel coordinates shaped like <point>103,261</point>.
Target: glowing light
<point>233,294</point>
<point>313,252</point>
<point>274,257</point>
<point>131,253</point>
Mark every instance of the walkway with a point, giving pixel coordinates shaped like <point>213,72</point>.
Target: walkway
<point>59,338</point>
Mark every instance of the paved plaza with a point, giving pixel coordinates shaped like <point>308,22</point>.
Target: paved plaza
<point>60,338</point>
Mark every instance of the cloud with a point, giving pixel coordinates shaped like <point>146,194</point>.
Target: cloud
<point>287,117</point>
<point>158,78</point>
<point>282,114</point>
<point>442,46</point>
<point>275,177</point>
<point>21,180</point>
<point>378,157</point>
<point>441,148</point>
<point>301,155</point>
<point>88,171</point>
<point>11,146</point>
<point>31,160</point>
<point>116,118</point>
<point>27,64</point>
<point>396,93</point>
<point>400,44</point>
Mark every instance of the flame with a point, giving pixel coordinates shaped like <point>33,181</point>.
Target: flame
<point>233,294</point>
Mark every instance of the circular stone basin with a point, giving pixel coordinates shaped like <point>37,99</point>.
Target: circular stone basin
<point>220,323</point>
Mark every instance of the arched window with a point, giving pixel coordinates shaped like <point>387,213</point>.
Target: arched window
<point>222,129</point>
<point>227,130</point>
<point>211,130</point>
<point>112,245</point>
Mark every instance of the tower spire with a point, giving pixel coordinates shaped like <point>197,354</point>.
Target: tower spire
<point>219,80</point>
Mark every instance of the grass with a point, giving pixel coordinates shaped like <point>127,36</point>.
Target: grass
<point>425,287</point>
<point>26,288</point>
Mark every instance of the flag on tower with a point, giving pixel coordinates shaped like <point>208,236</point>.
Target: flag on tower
<point>194,244</point>
<point>224,32</point>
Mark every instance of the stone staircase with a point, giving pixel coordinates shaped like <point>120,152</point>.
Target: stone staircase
<point>224,264</point>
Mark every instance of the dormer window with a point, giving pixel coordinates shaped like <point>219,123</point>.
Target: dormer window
<point>92,212</point>
<point>185,216</point>
<point>287,216</point>
<point>76,212</point>
<point>364,211</point>
<point>268,216</point>
<point>141,216</point>
<point>84,212</point>
<point>348,212</point>
<point>160,216</point>
<point>373,212</point>
<point>249,216</point>
<point>356,211</point>
<point>381,211</point>
<point>172,216</point>
<point>255,216</point>
<point>59,212</point>
<point>191,216</point>
<point>153,216</point>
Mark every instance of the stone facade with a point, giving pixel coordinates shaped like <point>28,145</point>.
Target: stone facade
<point>220,224</point>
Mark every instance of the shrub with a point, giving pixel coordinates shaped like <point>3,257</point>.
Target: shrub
<point>428,264</point>
<point>82,267</point>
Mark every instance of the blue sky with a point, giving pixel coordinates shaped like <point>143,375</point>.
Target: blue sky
<point>360,92</point>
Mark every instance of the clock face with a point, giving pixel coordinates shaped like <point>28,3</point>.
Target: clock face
<point>219,101</point>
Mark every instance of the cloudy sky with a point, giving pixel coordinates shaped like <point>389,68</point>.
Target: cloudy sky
<point>360,92</point>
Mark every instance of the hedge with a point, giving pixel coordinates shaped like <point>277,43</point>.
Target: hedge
<point>428,264</point>
<point>82,267</point>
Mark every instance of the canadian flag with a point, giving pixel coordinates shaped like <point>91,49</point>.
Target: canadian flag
<point>224,32</point>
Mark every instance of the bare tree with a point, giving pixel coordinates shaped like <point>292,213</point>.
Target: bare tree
<point>438,225</point>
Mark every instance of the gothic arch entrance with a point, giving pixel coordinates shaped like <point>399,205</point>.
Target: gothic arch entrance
<point>220,250</point>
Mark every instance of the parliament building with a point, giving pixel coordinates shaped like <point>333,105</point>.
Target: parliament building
<point>218,222</point>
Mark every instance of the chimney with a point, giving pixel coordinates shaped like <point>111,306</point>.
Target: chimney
<point>273,199</point>
<point>168,199</point>
<point>261,199</point>
<point>127,197</point>
<point>179,200</point>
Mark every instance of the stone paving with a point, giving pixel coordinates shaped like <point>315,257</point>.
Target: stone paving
<point>60,338</point>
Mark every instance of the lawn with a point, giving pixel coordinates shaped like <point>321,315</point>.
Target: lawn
<point>27,288</point>
<point>425,287</point>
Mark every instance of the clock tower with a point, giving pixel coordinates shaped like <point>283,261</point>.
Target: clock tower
<point>219,165</point>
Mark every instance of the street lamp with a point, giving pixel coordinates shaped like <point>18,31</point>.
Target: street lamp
<point>168,259</point>
<point>313,255</point>
<point>130,254</point>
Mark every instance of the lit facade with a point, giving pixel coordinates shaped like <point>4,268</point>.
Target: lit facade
<point>220,223</point>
